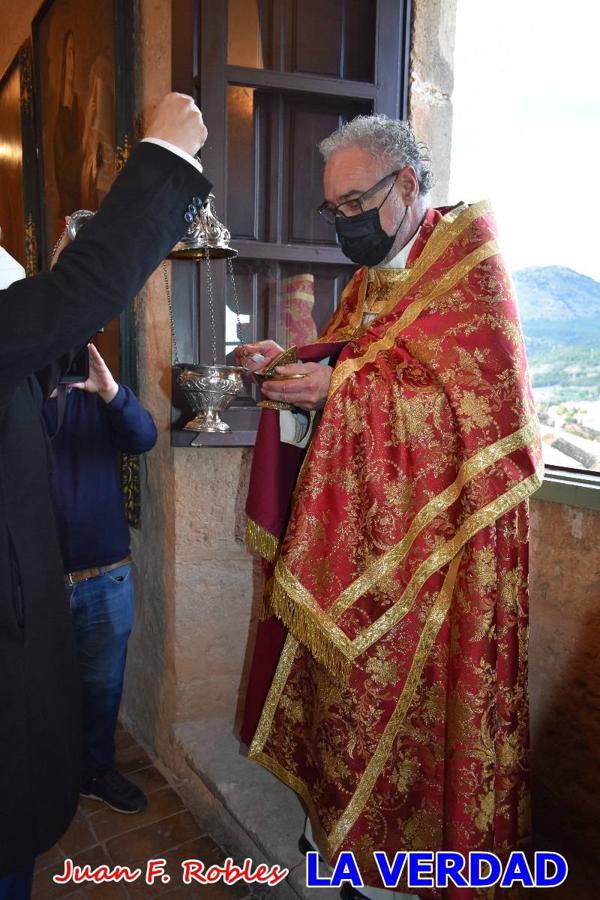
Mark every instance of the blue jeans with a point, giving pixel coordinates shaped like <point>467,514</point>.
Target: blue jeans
<point>17,885</point>
<point>102,613</point>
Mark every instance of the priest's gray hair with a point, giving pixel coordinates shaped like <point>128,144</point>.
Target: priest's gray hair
<point>381,136</point>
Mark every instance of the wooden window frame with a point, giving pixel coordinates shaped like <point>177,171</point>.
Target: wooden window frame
<point>199,39</point>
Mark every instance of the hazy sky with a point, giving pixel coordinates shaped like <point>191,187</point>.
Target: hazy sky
<point>526,129</point>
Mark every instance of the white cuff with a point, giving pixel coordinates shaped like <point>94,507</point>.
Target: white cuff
<point>295,427</point>
<point>176,150</point>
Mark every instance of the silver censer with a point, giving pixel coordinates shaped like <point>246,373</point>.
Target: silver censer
<point>209,389</point>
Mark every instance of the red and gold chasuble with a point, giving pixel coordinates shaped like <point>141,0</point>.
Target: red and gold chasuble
<point>389,684</point>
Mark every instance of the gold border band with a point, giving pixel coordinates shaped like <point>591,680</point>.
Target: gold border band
<point>261,540</point>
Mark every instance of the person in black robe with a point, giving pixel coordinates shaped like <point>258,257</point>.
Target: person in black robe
<point>42,320</point>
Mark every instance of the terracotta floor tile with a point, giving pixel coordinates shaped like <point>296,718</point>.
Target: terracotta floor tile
<point>104,892</point>
<point>99,836</point>
<point>107,823</point>
<point>153,840</point>
<point>207,892</point>
<point>96,856</point>
<point>87,806</point>
<point>79,836</point>
<point>52,857</point>
<point>203,848</point>
<point>45,889</point>
<point>128,759</point>
<point>123,739</point>
<point>148,779</point>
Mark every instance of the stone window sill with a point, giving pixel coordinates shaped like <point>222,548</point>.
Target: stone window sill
<point>570,488</point>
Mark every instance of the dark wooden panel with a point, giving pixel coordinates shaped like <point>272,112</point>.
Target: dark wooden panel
<point>249,33</point>
<point>392,57</point>
<point>309,121</point>
<point>319,253</point>
<point>299,82</point>
<point>183,42</point>
<point>336,38</point>
<point>317,37</point>
<point>242,196</point>
<point>360,28</point>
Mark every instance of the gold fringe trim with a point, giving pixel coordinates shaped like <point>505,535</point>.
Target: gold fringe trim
<point>261,540</point>
<point>315,628</point>
<point>264,610</point>
<point>310,632</point>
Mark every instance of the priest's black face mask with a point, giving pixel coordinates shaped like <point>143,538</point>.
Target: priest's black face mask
<point>362,238</point>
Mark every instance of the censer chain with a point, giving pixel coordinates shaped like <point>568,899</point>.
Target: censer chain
<point>171,317</point>
<point>236,302</point>
<point>211,306</point>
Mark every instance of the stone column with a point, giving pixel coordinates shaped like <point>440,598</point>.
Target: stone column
<point>431,83</point>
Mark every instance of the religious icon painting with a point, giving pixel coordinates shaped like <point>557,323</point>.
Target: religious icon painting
<point>18,194</point>
<point>84,58</point>
<point>84,112</point>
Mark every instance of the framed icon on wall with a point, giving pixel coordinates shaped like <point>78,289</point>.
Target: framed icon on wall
<point>18,175</point>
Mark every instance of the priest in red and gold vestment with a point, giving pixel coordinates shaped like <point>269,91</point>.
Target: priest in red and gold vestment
<point>389,682</point>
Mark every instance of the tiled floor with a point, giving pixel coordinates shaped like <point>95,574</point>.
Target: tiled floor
<point>98,836</point>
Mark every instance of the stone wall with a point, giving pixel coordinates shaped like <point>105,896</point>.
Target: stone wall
<point>431,83</point>
<point>565,673</point>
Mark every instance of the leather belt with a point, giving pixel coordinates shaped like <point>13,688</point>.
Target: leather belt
<point>72,578</point>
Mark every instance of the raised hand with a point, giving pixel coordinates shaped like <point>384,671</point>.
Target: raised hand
<point>178,121</point>
<point>100,380</point>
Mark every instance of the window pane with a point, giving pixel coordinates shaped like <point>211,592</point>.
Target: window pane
<point>268,196</point>
<point>336,38</point>
<point>288,302</point>
<point>245,155</point>
<point>308,122</point>
<point>543,92</point>
<point>248,35</point>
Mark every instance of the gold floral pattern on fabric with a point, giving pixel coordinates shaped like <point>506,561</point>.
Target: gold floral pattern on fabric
<point>398,711</point>
<point>300,611</point>
<point>450,773</point>
<point>446,282</point>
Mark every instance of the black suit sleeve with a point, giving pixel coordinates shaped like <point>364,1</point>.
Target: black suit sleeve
<point>141,218</point>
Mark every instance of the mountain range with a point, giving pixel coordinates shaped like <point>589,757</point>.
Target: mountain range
<point>555,293</point>
<point>560,315</point>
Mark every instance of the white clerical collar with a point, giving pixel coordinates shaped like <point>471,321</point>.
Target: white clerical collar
<point>10,269</point>
<point>399,260</point>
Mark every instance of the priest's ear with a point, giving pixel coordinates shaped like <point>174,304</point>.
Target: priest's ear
<point>408,185</point>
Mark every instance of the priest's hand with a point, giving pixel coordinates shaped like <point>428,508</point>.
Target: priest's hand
<point>244,354</point>
<point>178,121</point>
<point>309,392</point>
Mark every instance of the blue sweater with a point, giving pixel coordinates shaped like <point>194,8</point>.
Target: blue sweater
<point>92,524</point>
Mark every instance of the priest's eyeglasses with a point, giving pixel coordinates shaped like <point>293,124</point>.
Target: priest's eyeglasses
<point>355,206</point>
